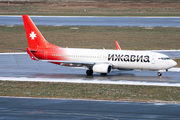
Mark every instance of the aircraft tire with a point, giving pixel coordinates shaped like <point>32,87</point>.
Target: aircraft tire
<point>103,74</point>
<point>89,72</point>
<point>159,74</point>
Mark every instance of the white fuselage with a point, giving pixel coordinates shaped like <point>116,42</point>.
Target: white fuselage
<point>120,59</point>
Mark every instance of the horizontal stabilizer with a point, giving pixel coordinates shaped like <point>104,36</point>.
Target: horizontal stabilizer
<point>31,55</point>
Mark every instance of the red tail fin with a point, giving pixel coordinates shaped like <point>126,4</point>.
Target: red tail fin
<point>34,37</point>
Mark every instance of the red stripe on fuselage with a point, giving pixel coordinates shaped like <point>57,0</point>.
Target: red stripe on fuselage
<point>50,54</point>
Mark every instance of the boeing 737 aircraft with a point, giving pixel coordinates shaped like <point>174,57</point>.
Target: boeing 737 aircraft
<point>95,60</point>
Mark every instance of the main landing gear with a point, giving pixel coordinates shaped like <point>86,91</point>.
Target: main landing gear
<point>89,72</point>
<point>103,74</point>
<point>159,74</point>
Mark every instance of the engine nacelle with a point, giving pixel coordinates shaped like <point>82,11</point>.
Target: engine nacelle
<point>102,68</point>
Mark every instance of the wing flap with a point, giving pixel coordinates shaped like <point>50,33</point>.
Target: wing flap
<point>74,63</point>
<point>31,55</point>
<point>71,63</point>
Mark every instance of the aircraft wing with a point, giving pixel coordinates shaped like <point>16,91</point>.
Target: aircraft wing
<point>74,63</point>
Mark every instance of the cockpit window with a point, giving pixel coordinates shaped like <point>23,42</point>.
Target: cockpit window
<point>164,58</point>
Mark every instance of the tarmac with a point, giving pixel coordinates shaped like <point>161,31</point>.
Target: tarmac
<point>66,109</point>
<point>19,67</point>
<point>94,21</point>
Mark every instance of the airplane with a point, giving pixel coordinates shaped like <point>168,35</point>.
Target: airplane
<point>95,60</point>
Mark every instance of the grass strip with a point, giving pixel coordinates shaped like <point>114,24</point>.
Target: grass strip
<point>90,91</point>
<point>129,38</point>
<point>96,8</point>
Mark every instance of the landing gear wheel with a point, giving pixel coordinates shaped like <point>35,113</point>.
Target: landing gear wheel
<point>104,74</point>
<point>89,72</point>
<point>159,74</point>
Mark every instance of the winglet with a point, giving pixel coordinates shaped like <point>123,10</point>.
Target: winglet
<point>117,46</point>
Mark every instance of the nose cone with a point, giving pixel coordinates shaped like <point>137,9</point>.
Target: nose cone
<point>172,63</point>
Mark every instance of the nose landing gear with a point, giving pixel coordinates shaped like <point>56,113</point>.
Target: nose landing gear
<point>159,74</point>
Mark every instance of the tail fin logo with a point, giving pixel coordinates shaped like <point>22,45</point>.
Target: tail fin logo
<point>32,35</point>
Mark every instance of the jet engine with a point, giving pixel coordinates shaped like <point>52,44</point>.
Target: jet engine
<point>102,68</point>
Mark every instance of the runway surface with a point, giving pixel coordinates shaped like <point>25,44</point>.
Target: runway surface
<point>19,67</point>
<point>95,21</point>
<point>45,109</point>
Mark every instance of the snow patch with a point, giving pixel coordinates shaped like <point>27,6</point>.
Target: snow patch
<point>121,82</point>
<point>174,70</point>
